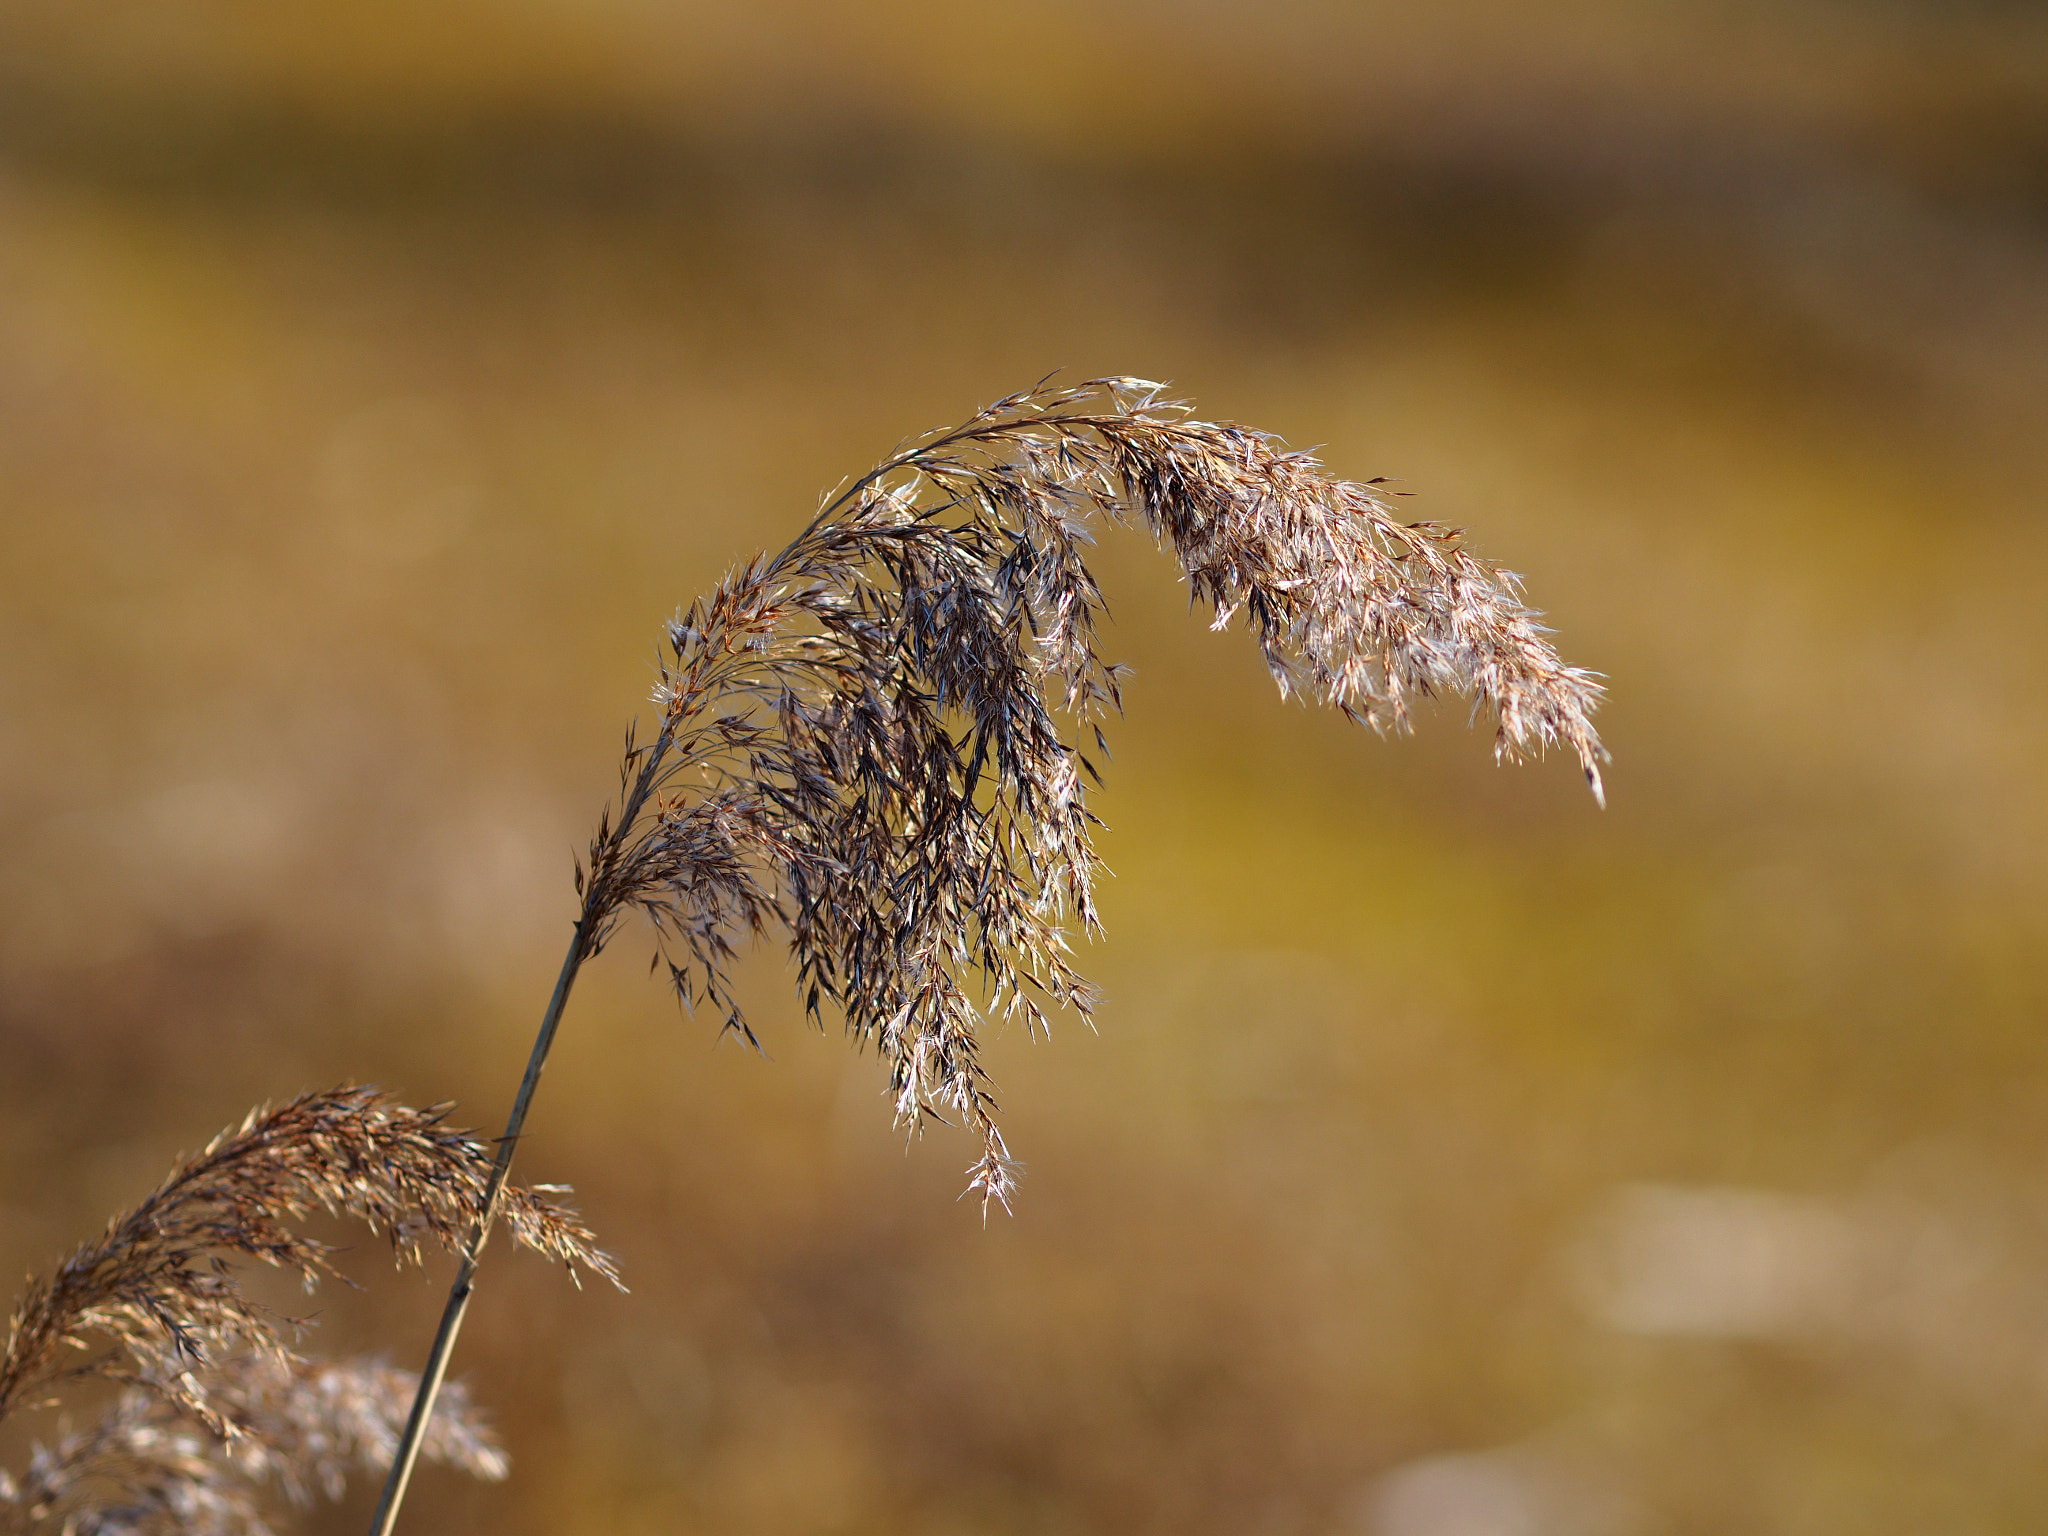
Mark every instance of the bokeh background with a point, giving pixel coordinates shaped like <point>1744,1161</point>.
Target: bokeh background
<point>1453,1159</point>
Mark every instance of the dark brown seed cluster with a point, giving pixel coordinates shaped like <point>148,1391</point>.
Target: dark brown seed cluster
<point>216,1404</point>
<point>875,741</point>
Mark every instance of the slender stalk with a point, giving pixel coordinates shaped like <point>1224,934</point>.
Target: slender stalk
<point>472,1250</point>
<point>588,938</point>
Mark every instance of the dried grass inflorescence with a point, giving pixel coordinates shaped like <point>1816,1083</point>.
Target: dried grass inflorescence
<point>869,741</point>
<point>146,1468</point>
<point>215,1401</point>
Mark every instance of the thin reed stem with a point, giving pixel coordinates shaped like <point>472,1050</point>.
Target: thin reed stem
<point>583,943</point>
<point>414,1437</point>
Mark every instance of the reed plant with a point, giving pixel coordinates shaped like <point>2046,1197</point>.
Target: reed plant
<point>875,747</point>
<point>214,1407</point>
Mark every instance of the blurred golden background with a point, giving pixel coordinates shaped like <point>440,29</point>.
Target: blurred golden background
<point>1453,1159</point>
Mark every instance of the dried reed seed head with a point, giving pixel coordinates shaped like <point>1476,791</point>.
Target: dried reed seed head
<point>146,1469</point>
<point>865,739</point>
<point>160,1285</point>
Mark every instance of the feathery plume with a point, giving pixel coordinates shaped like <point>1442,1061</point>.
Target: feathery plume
<point>160,1285</point>
<point>872,743</point>
<point>146,1468</point>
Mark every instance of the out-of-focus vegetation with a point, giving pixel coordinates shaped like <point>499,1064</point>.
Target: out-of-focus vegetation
<point>1453,1158</point>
